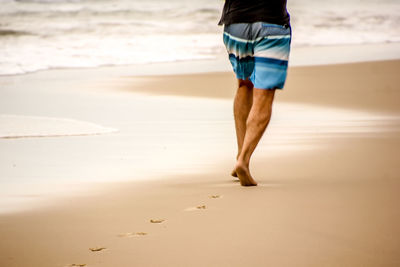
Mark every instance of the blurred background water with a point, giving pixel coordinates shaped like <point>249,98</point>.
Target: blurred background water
<point>46,34</point>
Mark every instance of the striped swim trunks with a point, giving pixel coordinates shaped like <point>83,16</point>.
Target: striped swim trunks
<point>259,52</point>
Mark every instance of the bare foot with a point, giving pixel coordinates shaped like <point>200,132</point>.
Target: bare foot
<point>233,173</point>
<point>244,176</point>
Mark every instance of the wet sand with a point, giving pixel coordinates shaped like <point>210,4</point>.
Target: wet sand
<point>328,188</point>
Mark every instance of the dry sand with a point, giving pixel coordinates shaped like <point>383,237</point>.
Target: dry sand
<point>332,206</point>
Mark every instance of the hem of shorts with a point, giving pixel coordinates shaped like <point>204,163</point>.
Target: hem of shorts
<point>266,88</point>
<point>269,88</point>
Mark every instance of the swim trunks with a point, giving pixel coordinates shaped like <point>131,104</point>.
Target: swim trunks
<point>260,52</point>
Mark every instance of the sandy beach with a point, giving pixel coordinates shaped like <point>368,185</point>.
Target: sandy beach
<point>156,190</point>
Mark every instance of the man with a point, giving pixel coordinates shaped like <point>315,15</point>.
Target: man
<point>257,36</point>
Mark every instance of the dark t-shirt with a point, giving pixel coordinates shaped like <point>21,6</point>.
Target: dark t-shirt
<point>249,11</point>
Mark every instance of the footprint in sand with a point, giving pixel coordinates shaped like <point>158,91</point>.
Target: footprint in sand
<point>200,207</point>
<point>157,221</point>
<point>132,234</point>
<point>77,265</point>
<point>96,249</point>
<point>203,207</point>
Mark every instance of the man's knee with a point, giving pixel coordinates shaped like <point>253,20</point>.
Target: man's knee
<point>264,95</point>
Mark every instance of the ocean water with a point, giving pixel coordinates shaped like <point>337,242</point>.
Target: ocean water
<point>45,34</point>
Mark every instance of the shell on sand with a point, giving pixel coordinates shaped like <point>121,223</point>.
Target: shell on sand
<point>157,221</point>
<point>97,249</point>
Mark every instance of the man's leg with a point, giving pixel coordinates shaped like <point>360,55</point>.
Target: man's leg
<point>241,108</point>
<point>257,122</point>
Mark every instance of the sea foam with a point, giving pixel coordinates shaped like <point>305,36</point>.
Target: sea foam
<point>16,126</point>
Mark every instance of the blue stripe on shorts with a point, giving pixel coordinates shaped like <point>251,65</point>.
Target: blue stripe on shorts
<point>259,52</point>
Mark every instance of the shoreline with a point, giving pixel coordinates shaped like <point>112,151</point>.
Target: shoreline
<point>327,171</point>
<point>300,57</point>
